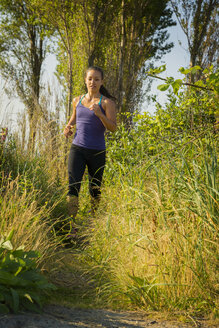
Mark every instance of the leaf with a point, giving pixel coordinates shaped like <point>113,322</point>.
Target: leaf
<point>9,264</point>
<point>157,70</point>
<point>205,71</point>
<point>18,270</point>
<point>4,309</point>
<point>32,276</point>
<point>46,285</point>
<point>195,69</point>
<point>28,297</point>
<point>36,298</point>
<point>18,253</point>
<point>163,87</point>
<point>20,248</point>
<point>191,70</point>
<point>15,298</point>
<point>1,297</point>
<point>176,85</point>
<point>30,306</point>
<point>10,235</point>
<point>139,281</point>
<point>184,70</point>
<point>7,245</point>
<point>8,279</point>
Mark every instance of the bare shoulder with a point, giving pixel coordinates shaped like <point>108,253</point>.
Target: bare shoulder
<point>76,100</point>
<point>108,103</point>
<point>109,107</point>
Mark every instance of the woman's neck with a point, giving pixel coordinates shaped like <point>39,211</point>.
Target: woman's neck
<point>91,95</point>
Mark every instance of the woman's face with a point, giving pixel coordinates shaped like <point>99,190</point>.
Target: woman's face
<point>93,81</point>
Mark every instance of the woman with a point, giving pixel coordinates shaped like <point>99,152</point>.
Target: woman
<point>93,113</point>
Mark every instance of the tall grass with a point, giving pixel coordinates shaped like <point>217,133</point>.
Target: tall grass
<point>153,241</point>
<point>32,201</point>
<point>153,244</point>
<point>31,224</point>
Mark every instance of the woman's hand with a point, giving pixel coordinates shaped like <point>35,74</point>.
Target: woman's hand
<point>109,118</point>
<point>97,110</point>
<point>67,130</point>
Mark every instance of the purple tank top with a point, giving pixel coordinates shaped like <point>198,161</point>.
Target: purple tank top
<point>89,128</point>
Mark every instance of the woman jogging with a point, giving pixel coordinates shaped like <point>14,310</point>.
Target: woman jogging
<point>93,113</point>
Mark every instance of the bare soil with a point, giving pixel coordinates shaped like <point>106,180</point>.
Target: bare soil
<point>56,316</point>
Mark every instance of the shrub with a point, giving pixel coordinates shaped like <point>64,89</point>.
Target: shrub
<point>21,283</point>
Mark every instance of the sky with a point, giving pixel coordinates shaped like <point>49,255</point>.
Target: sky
<point>178,57</point>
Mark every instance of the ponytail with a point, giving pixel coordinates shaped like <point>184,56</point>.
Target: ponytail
<point>103,90</point>
<point>106,93</point>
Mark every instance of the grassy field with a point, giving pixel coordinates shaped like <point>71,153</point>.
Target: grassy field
<point>153,242</point>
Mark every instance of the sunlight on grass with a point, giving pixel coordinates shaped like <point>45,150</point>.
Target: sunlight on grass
<point>153,242</point>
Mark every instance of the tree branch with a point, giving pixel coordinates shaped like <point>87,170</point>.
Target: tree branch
<point>183,83</point>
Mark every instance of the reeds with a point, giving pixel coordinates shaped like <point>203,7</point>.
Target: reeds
<point>154,242</point>
<point>32,225</point>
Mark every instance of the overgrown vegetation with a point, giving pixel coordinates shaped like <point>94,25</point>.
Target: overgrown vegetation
<point>21,283</point>
<point>153,242</point>
<point>30,209</point>
<point>156,247</point>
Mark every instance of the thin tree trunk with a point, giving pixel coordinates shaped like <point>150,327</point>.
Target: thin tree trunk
<point>70,84</point>
<point>121,61</point>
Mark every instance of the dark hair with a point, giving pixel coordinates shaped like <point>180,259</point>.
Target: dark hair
<point>103,90</point>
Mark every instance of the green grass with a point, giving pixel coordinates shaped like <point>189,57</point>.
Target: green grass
<point>153,242</point>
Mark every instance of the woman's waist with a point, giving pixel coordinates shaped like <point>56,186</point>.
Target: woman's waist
<point>90,129</point>
<point>89,141</point>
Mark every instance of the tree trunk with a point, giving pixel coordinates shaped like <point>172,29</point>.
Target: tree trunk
<point>121,60</point>
<point>37,57</point>
<point>70,84</point>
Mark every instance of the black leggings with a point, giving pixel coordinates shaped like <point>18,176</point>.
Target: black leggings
<point>95,160</point>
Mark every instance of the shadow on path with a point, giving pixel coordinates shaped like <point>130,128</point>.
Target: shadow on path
<point>55,316</point>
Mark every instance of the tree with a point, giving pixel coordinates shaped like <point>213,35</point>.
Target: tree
<point>118,35</point>
<point>121,36</point>
<point>61,16</point>
<point>23,50</point>
<point>198,20</point>
<point>143,36</point>
<point>97,16</point>
<point>82,28</point>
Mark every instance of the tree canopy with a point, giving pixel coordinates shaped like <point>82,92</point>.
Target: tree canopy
<point>23,49</point>
<point>120,36</point>
<point>198,20</point>
<point>123,37</point>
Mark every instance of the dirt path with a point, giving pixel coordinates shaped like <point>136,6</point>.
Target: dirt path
<point>55,316</point>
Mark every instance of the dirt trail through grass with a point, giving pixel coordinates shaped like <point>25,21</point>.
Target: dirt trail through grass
<point>55,316</point>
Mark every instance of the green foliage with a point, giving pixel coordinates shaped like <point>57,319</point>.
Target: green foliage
<point>198,20</point>
<point>191,107</point>
<point>154,244</point>
<point>22,286</point>
<point>32,174</point>
<point>22,43</point>
<point>90,33</point>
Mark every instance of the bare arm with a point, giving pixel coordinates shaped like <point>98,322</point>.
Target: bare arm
<point>109,119</point>
<point>67,131</point>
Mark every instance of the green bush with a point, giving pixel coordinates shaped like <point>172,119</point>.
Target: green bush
<point>22,286</point>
